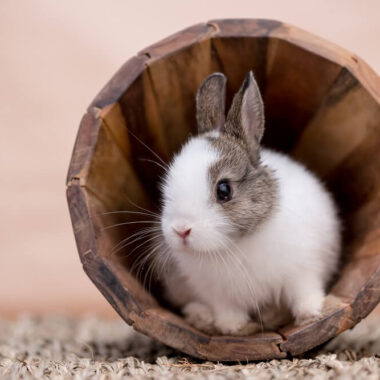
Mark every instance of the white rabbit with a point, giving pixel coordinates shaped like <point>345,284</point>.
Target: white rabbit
<point>246,229</point>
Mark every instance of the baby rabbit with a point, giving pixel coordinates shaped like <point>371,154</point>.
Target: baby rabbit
<point>245,228</point>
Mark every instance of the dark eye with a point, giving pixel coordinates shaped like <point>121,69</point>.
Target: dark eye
<point>223,191</point>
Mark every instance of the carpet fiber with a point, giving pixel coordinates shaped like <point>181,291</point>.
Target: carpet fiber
<point>63,348</point>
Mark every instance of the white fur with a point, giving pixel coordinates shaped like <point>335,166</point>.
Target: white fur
<point>287,260</point>
<point>186,197</point>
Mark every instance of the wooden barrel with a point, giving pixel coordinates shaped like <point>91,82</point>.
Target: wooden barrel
<point>322,107</point>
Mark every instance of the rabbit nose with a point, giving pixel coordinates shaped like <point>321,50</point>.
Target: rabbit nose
<point>182,232</point>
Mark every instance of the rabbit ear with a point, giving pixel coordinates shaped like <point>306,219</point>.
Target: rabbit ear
<point>245,119</point>
<point>211,98</point>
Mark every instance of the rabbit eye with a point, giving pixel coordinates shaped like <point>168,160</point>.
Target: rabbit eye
<point>223,191</point>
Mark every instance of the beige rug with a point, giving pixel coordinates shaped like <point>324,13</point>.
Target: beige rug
<point>89,348</point>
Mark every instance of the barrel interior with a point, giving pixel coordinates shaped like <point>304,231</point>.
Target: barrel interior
<point>316,111</point>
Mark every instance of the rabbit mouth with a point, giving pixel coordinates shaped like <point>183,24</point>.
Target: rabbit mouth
<point>187,247</point>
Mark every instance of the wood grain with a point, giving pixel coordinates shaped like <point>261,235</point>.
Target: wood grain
<point>322,106</point>
<point>342,121</point>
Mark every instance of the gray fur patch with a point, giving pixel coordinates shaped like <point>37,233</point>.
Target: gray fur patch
<point>254,187</point>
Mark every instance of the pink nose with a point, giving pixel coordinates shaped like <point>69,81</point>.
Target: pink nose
<point>182,233</point>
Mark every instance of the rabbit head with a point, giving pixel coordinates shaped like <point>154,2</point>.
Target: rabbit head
<point>216,189</point>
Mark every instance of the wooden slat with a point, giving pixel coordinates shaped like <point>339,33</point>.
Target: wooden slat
<point>341,123</point>
<point>297,82</point>
<point>356,180</point>
<point>143,137</point>
<point>111,177</point>
<point>242,28</point>
<point>336,318</point>
<point>175,92</point>
<point>113,118</point>
<point>168,92</point>
<point>362,230</point>
<point>105,272</point>
<point>355,277</point>
<point>173,331</point>
<point>83,148</point>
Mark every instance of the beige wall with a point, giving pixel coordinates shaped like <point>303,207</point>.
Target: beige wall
<point>54,57</point>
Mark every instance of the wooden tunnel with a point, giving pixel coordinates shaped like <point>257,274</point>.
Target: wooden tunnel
<point>322,107</point>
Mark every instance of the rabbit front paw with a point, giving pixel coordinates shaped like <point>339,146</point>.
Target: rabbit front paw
<point>200,316</point>
<point>308,310</point>
<point>238,324</point>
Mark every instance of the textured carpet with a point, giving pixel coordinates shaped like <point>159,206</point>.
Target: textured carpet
<point>63,348</point>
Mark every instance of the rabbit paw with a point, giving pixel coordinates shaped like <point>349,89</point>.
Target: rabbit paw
<point>236,324</point>
<point>200,316</point>
<point>308,311</point>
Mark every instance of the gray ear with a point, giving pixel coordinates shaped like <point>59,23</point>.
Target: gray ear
<point>211,98</point>
<point>245,119</point>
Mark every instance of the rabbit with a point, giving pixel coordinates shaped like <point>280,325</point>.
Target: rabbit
<point>250,234</point>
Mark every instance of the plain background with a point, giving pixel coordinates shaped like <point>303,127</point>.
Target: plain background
<point>54,57</point>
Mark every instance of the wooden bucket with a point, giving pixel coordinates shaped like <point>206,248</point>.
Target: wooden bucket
<point>322,107</point>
